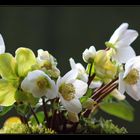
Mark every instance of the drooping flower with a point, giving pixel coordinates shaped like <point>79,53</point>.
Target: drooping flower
<point>120,41</point>
<point>89,54</point>
<point>2,45</point>
<point>82,74</point>
<point>48,63</point>
<point>70,90</point>
<point>39,84</point>
<point>129,80</point>
<point>104,67</point>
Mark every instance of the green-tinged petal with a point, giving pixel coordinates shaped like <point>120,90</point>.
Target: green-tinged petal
<point>8,66</point>
<point>7,93</point>
<point>25,60</point>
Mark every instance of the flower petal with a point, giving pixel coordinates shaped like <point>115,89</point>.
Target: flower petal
<point>72,63</point>
<point>128,37</point>
<point>118,94</point>
<point>72,106</point>
<point>25,59</point>
<point>52,93</point>
<point>7,93</point>
<point>95,84</point>
<point>118,32</point>
<point>133,91</point>
<point>80,88</point>
<point>2,45</point>
<point>69,76</point>
<point>8,67</point>
<point>124,54</point>
<point>121,86</point>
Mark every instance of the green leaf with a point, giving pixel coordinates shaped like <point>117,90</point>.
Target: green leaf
<point>4,110</point>
<point>8,66</point>
<point>25,97</point>
<point>88,95</point>
<point>7,93</point>
<point>22,109</point>
<point>25,60</point>
<point>120,109</point>
<point>40,116</point>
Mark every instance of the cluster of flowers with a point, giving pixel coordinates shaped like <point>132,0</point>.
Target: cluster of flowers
<point>29,82</point>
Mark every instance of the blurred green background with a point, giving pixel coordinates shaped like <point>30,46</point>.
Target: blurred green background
<point>66,31</point>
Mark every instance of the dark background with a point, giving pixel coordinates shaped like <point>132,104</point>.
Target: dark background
<point>66,31</point>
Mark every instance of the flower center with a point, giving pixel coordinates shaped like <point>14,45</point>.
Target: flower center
<point>67,91</point>
<point>42,83</point>
<point>132,77</point>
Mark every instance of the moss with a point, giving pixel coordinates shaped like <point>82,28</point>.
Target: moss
<point>20,128</point>
<point>100,126</point>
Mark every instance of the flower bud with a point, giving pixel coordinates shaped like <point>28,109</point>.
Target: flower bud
<point>89,54</point>
<point>72,116</point>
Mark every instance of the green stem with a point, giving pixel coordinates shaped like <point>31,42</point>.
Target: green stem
<point>34,115</point>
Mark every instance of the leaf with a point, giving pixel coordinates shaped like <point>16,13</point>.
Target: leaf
<point>25,97</point>
<point>22,109</point>
<point>8,66</point>
<point>40,116</point>
<point>25,60</point>
<point>88,95</point>
<point>7,93</point>
<point>119,109</point>
<point>5,109</point>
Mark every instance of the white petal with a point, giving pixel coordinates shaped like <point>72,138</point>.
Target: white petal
<point>80,67</point>
<point>128,37</point>
<point>117,94</point>
<point>124,54</point>
<point>52,93</point>
<point>83,77</point>
<point>72,106</point>
<point>118,32</point>
<point>80,88</point>
<point>69,76</point>
<point>26,85</point>
<point>2,45</point>
<point>92,49</point>
<point>72,63</point>
<point>121,86</point>
<point>95,84</point>
<point>134,91</point>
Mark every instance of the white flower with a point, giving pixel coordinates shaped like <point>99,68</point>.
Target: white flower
<point>70,90</point>
<point>121,40</point>
<point>44,57</point>
<point>39,84</point>
<point>82,75</point>
<point>89,54</point>
<point>129,81</point>
<point>2,45</point>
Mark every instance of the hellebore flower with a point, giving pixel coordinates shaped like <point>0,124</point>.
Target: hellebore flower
<point>120,41</point>
<point>39,84</point>
<point>89,54</point>
<point>70,90</point>
<point>82,75</point>
<point>48,63</point>
<point>129,81</point>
